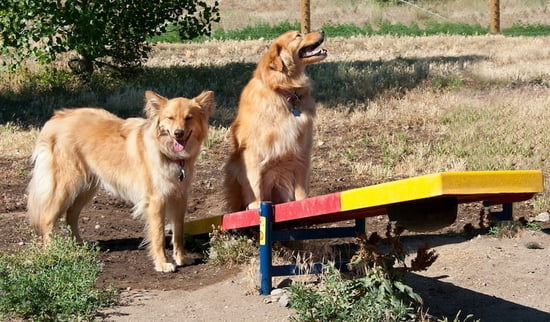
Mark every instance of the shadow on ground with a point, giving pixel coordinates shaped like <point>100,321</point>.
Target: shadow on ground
<point>335,84</point>
<point>446,299</point>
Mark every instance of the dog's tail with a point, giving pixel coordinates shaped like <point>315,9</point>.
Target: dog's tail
<point>41,185</point>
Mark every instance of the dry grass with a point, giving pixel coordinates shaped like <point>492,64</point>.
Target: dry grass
<point>494,117</point>
<point>480,102</point>
<point>239,14</point>
<point>15,141</point>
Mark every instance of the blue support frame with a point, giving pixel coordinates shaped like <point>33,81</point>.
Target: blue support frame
<point>268,236</point>
<point>505,214</point>
<point>266,252</point>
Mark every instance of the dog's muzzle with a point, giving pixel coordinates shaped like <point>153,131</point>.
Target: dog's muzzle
<point>180,140</point>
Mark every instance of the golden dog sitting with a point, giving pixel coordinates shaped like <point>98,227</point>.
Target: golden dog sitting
<point>271,137</point>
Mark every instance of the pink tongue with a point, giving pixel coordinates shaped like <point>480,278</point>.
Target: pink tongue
<point>178,147</point>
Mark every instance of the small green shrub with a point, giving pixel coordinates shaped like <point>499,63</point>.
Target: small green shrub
<point>370,298</point>
<point>531,225</point>
<point>230,249</point>
<point>506,229</point>
<point>100,32</point>
<point>457,318</point>
<point>53,282</point>
<point>494,231</point>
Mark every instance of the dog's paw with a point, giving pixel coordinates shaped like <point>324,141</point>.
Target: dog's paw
<point>165,267</point>
<point>253,205</point>
<point>180,259</point>
<point>183,261</point>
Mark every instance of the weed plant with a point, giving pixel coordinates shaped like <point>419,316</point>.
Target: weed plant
<point>458,318</point>
<point>343,299</point>
<point>506,229</point>
<point>373,292</point>
<point>533,226</point>
<point>511,229</point>
<point>230,249</point>
<point>53,282</point>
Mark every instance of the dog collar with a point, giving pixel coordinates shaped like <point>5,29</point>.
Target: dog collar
<point>293,99</point>
<point>181,175</point>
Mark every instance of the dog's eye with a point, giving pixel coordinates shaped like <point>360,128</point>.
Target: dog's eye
<point>188,117</point>
<point>298,35</point>
<point>171,118</point>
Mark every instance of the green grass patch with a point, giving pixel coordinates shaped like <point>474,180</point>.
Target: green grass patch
<point>52,283</point>
<point>249,32</point>
<point>385,27</point>
<point>485,143</point>
<point>527,30</point>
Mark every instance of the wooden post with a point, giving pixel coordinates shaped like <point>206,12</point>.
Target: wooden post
<point>495,16</point>
<point>305,16</point>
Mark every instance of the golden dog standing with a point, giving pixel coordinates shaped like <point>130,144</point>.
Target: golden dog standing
<point>149,162</point>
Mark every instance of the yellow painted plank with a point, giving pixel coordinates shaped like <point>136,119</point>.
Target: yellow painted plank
<point>392,192</point>
<point>479,182</point>
<point>202,226</point>
<point>443,184</point>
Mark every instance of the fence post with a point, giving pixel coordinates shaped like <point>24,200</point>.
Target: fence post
<point>495,16</point>
<point>305,14</point>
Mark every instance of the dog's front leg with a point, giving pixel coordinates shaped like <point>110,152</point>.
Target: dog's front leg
<point>177,215</point>
<point>303,166</point>
<point>253,191</point>
<point>155,223</point>
<point>301,184</point>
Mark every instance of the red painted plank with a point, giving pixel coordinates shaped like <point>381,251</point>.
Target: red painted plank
<point>335,216</point>
<point>308,208</point>
<point>241,219</point>
<point>327,208</point>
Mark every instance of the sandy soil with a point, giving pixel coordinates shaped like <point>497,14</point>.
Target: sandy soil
<point>494,279</point>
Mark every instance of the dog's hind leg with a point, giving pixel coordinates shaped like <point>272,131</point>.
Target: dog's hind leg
<point>74,210</point>
<point>49,192</point>
<point>51,210</point>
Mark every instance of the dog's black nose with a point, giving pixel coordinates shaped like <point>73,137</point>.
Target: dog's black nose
<point>179,133</point>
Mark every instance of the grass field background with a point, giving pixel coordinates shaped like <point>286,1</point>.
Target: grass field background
<point>389,106</point>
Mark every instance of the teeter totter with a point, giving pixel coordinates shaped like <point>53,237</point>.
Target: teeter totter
<point>423,203</point>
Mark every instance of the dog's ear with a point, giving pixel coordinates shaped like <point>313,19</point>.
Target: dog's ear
<point>153,103</point>
<point>274,56</point>
<point>207,102</point>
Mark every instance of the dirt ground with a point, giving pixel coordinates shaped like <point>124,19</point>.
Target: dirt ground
<point>494,279</point>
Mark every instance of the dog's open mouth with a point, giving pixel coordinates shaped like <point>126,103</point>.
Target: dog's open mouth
<point>179,144</point>
<point>313,50</point>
